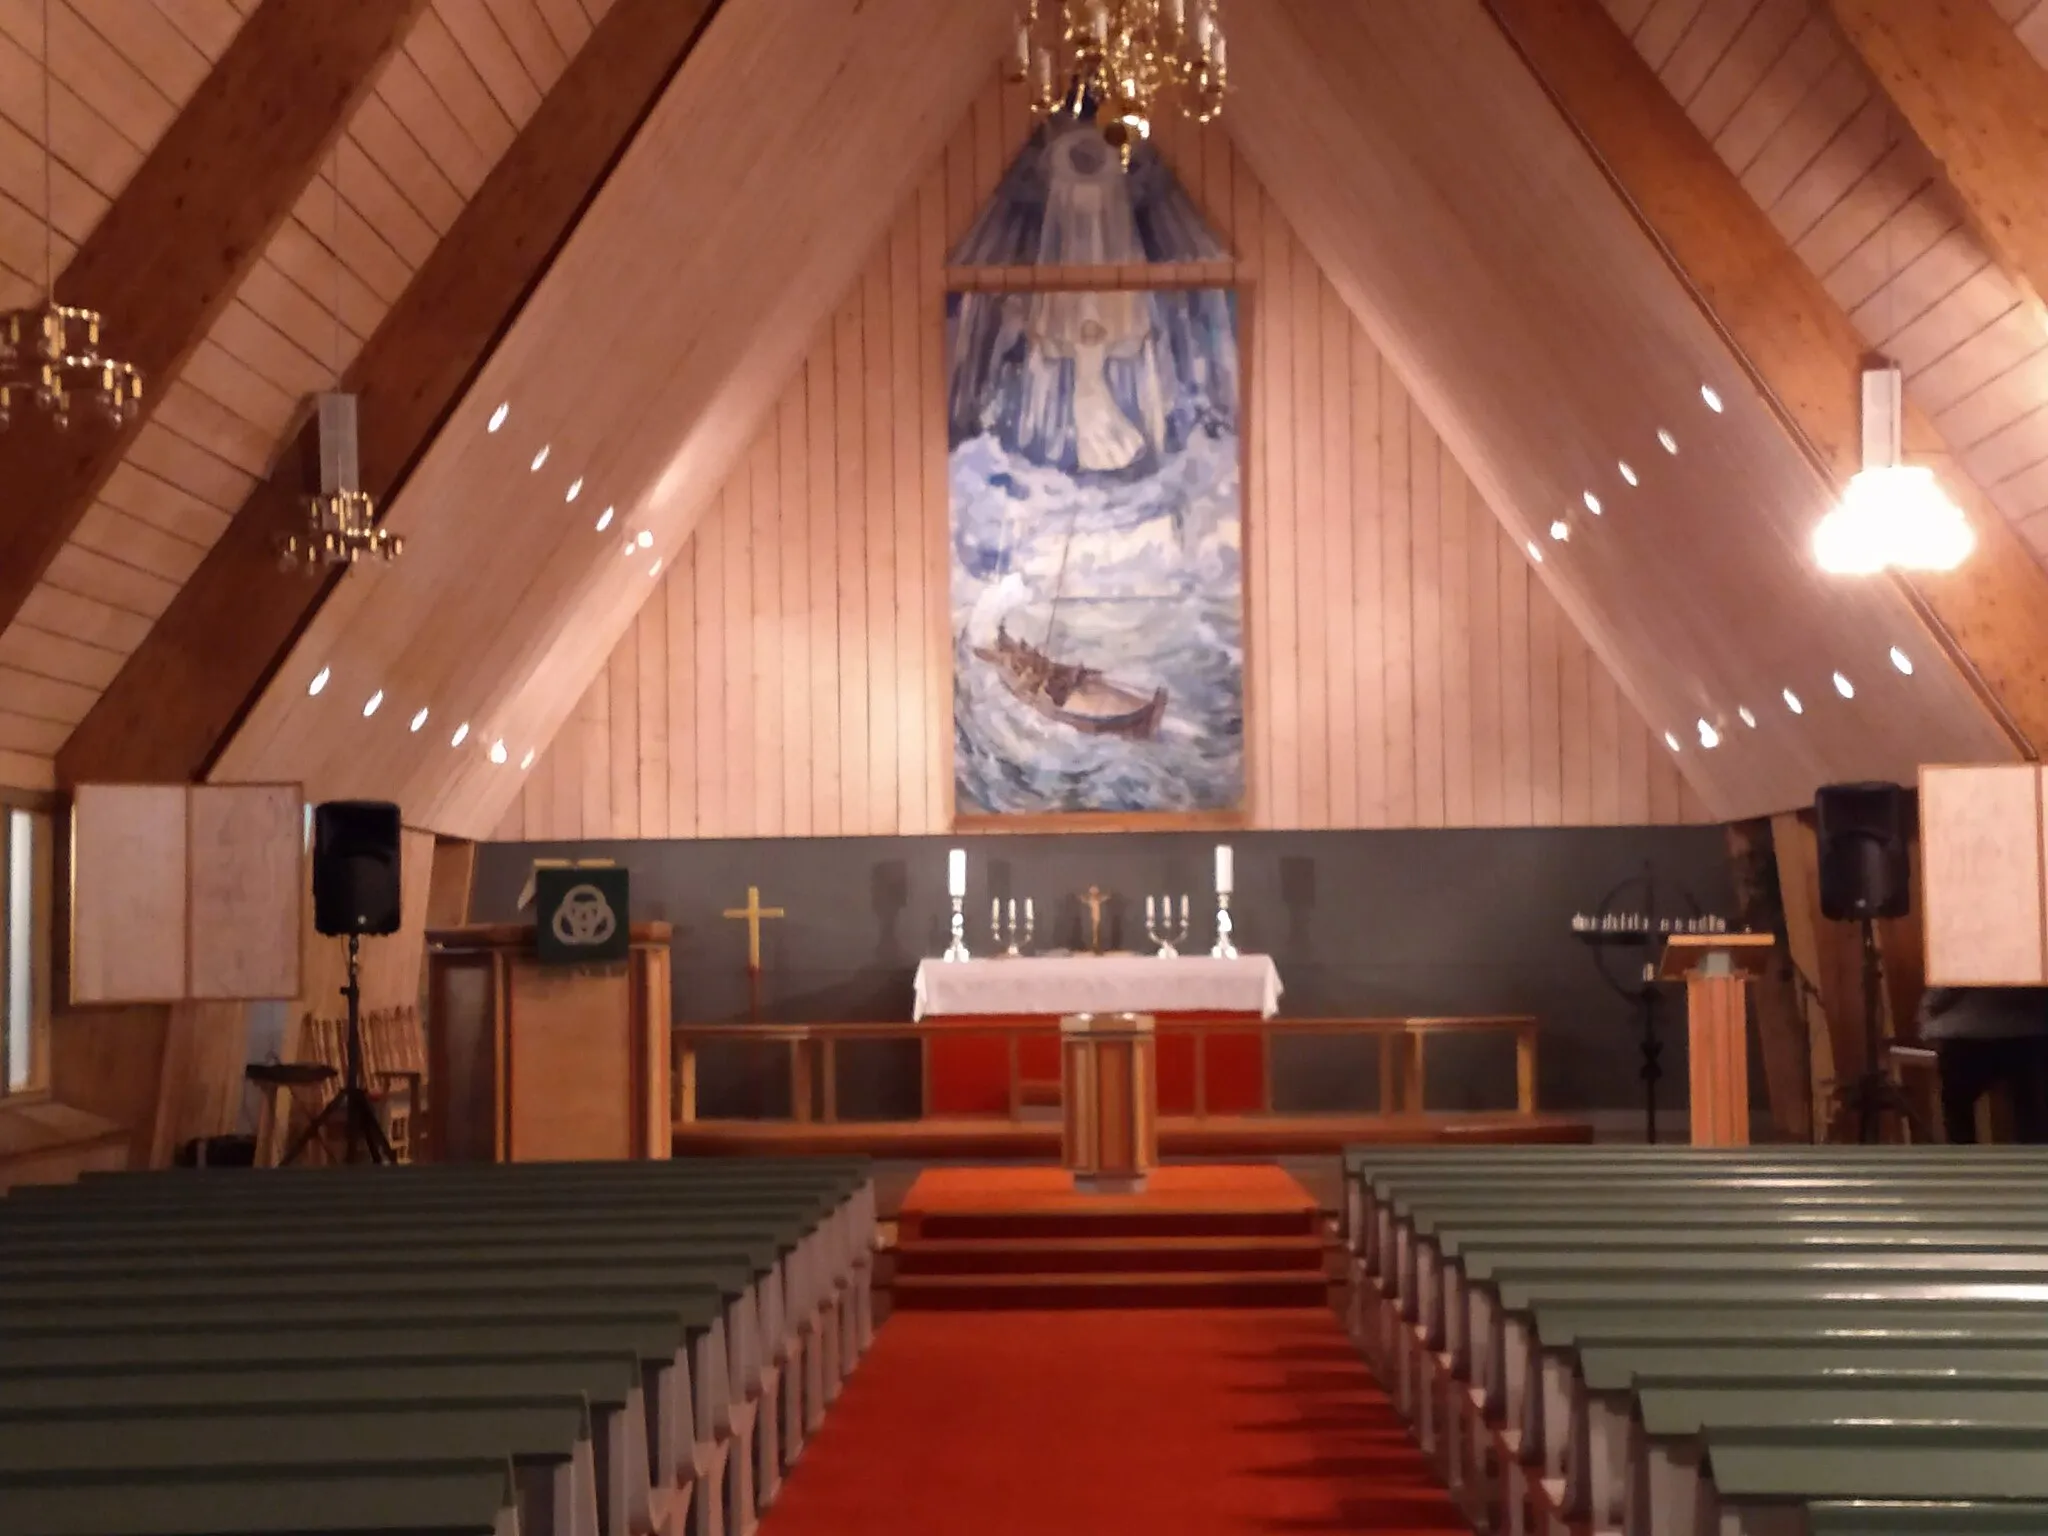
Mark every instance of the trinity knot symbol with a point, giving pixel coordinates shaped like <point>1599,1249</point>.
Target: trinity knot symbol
<point>585,918</point>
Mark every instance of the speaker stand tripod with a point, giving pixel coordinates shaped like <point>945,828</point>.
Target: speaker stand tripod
<point>1862,1104</point>
<point>351,1107</point>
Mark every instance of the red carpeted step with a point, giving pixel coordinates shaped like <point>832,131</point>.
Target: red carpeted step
<point>1104,1292</point>
<point>1115,1221</point>
<point>1100,1255</point>
<point>1243,1423</point>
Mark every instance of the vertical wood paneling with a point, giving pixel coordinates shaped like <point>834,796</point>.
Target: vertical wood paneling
<point>793,674</point>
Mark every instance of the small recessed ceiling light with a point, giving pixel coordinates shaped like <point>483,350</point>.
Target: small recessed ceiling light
<point>540,459</point>
<point>605,520</point>
<point>630,550</point>
<point>319,681</point>
<point>1670,443</point>
<point>461,735</point>
<point>575,490</point>
<point>655,569</point>
<point>1560,530</point>
<point>1535,553</point>
<point>644,539</point>
<point>1628,473</point>
<point>1712,396</point>
<point>498,416</point>
<point>419,720</point>
<point>1671,741</point>
<point>1844,687</point>
<point>1792,702</point>
<point>1902,661</point>
<point>497,751</point>
<point>376,702</point>
<point>1592,503</point>
<point>1709,737</point>
<point>526,762</point>
<point>1747,718</point>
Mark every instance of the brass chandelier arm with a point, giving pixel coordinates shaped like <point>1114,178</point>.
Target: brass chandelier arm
<point>1134,60</point>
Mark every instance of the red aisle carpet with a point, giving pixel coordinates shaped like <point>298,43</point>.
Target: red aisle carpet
<point>1076,1423</point>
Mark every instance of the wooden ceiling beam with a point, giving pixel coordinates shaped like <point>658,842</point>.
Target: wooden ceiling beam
<point>1978,100</point>
<point>181,695</point>
<point>175,245</point>
<point>1992,613</point>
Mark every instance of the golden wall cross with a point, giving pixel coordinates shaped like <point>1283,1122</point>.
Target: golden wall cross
<point>753,912</point>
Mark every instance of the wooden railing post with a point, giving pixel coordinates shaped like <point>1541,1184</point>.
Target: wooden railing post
<point>1525,1069</point>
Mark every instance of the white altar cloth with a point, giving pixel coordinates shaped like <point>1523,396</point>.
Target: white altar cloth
<point>1063,984</point>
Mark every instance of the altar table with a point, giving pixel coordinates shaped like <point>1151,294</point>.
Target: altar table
<point>972,1075</point>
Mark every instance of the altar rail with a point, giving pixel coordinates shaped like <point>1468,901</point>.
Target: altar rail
<point>813,1057</point>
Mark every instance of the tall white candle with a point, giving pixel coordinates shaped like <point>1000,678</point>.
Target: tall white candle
<point>1151,917</point>
<point>1183,910</point>
<point>1224,869</point>
<point>956,872</point>
<point>1027,911</point>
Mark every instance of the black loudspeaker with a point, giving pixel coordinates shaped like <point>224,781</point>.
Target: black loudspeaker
<point>355,867</point>
<point>1865,833</point>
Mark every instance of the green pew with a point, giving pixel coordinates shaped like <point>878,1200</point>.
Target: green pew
<point>533,1257</point>
<point>357,1347</point>
<point>549,1447</point>
<point>723,1462</point>
<point>1761,1482</point>
<point>1663,1490</point>
<point>1901,1517</point>
<point>452,1500</point>
<point>630,1496</point>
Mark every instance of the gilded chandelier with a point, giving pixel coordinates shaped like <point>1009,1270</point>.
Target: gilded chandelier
<point>1133,59</point>
<point>341,529</point>
<point>50,352</point>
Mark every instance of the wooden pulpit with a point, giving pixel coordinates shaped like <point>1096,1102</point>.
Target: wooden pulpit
<point>537,1063</point>
<point>1716,969</point>
<point>1109,1087</point>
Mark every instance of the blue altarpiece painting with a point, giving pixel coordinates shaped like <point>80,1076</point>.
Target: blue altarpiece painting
<point>1097,577</point>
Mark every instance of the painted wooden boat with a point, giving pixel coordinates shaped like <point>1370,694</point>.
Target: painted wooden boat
<point>1075,695</point>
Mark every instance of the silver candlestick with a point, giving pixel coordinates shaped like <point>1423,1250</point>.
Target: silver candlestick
<point>1014,940</point>
<point>1173,936</point>
<point>957,950</point>
<point>1224,950</point>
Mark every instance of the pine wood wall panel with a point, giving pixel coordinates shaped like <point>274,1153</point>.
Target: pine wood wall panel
<point>123,71</point>
<point>646,360</point>
<point>1793,111</point>
<point>406,167</point>
<point>807,616</point>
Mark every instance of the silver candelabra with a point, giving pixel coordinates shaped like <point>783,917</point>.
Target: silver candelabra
<point>1161,929</point>
<point>1005,933</point>
<point>1224,950</point>
<point>957,950</point>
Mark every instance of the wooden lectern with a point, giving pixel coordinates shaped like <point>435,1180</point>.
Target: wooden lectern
<point>534,1063</point>
<point>1108,1083</point>
<point>1716,969</point>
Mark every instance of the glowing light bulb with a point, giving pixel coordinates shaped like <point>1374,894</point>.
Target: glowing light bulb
<point>461,735</point>
<point>1844,687</point>
<point>540,459</point>
<point>319,681</point>
<point>1902,661</point>
<point>1670,443</point>
<point>604,520</point>
<point>1671,741</point>
<point>1792,702</point>
<point>419,720</point>
<point>498,416</point>
<point>575,490</point>
<point>497,751</point>
<point>1713,398</point>
<point>1560,530</point>
<point>1746,717</point>
<point>644,539</point>
<point>1535,553</point>
<point>1592,503</point>
<point>526,762</point>
<point>1709,737</point>
<point>1628,472</point>
<point>376,702</point>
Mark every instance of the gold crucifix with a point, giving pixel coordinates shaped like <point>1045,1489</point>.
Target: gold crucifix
<point>1092,899</point>
<point>753,912</point>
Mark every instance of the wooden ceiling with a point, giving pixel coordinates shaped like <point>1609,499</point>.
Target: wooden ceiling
<point>1462,219</point>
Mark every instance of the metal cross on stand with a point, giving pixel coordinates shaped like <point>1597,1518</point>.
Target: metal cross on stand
<point>753,912</point>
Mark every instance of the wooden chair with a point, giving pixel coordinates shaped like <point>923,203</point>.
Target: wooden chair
<point>394,1072</point>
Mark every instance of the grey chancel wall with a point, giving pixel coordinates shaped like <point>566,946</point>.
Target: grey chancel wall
<point>1360,924</point>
